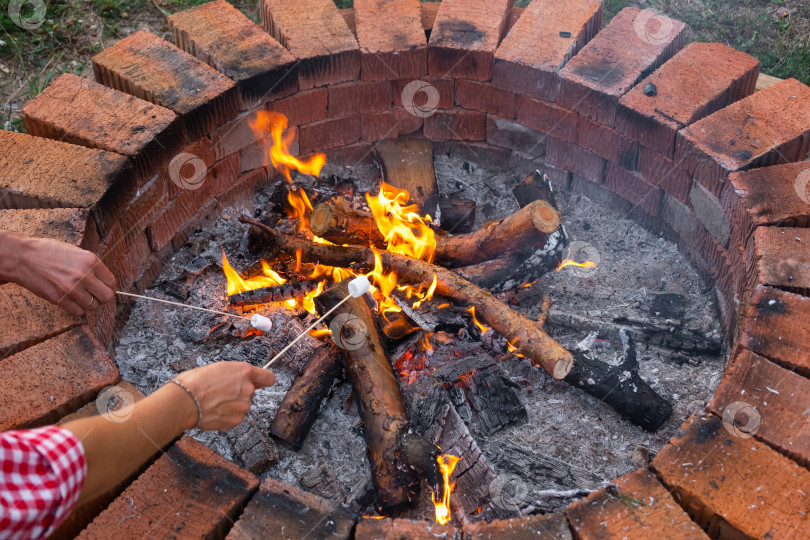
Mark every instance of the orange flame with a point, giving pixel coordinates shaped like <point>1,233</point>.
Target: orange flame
<point>447,463</point>
<point>236,284</point>
<point>403,230</point>
<point>480,326</point>
<point>301,207</point>
<point>323,332</point>
<point>276,124</point>
<point>570,262</point>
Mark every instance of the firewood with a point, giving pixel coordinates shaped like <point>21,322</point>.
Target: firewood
<point>279,293</point>
<point>335,221</point>
<point>376,392</point>
<point>520,331</point>
<point>535,187</point>
<point>408,164</point>
<point>457,215</point>
<point>428,316</point>
<point>299,408</point>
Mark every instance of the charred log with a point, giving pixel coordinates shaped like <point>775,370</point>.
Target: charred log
<point>279,293</point>
<point>337,222</point>
<point>299,408</point>
<point>408,164</point>
<point>535,187</point>
<point>429,316</point>
<point>457,215</point>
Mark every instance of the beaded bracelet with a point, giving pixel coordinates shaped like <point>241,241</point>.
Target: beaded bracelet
<point>197,403</point>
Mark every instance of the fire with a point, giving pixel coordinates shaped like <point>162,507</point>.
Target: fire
<point>323,332</point>
<point>570,262</point>
<point>301,207</point>
<point>403,230</point>
<point>238,285</point>
<point>480,326</point>
<point>276,124</point>
<point>447,463</point>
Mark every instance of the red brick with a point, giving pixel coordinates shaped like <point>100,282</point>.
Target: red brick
<point>710,213</point>
<point>150,68</point>
<point>65,224</point>
<point>330,133</point>
<point>145,207</point>
<point>699,80</point>
<point>53,378</point>
<point>633,187</point>
<point>246,185</point>
<point>531,55</point>
<point>274,512</point>
<point>315,32</point>
<point>459,125</point>
<point>633,43</point>
<point>391,38</point>
<point>571,157</point>
<point>647,511</point>
<point>349,17</point>
<point>302,108</point>
<point>664,173</point>
<point>34,319</point>
<point>767,128</point>
<point>766,401</point>
<point>379,126</point>
<point>189,491</point>
<point>678,216</point>
<point>783,256</point>
<point>485,97</point>
<point>547,118</point>
<point>444,87</point>
<point>351,155</point>
<point>407,123</point>
<point>359,97</point>
<point>78,111</point>
<point>464,38</point>
<point>396,529</point>
<point>429,12</point>
<point>221,36</point>
<point>112,251</point>
<point>203,217</point>
<point>543,526</point>
<point>510,134</point>
<point>607,143</point>
<point>734,487</point>
<point>777,326</point>
<point>236,134</point>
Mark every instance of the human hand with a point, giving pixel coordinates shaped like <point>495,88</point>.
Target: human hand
<point>64,274</point>
<point>224,391</point>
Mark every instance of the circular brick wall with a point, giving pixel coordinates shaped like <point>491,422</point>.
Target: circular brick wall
<point>674,135</point>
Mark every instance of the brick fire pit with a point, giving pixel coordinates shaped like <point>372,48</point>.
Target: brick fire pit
<point>629,116</point>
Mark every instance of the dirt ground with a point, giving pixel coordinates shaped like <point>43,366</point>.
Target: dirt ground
<point>72,31</point>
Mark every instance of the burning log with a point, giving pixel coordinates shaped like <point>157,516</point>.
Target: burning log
<point>408,164</point>
<point>533,188</point>
<point>457,215</point>
<point>520,331</point>
<point>337,222</point>
<point>278,293</point>
<point>429,316</point>
<point>299,408</point>
<point>376,392</point>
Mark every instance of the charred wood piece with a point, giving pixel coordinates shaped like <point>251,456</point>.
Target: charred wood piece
<point>457,215</point>
<point>408,164</point>
<point>535,187</point>
<point>429,316</point>
<point>279,293</point>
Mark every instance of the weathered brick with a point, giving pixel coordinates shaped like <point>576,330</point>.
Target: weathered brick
<point>633,44</point>
<point>203,217</point>
<point>429,12</point>
<point>151,199</point>
<point>34,320</point>
<point>315,32</point>
<point>53,378</point>
<point>633,187</point>
<point>571,157</point>
<point>302,108</point>
<point>510,134</point>
<point>150,68</point>
<point>710,213</point>
<point>545,526</point>
<point>444,87</point>
<point>329,133</point>
<point>351,155</point>
<point>766,401</point>
<point>646,511</point>
<point>678,216</point>
<point>221,36</point>
<point>257,154</point>
<point>236,134</point>
<point>246,185</point>
<point>395,529</point>
<point>349,17</point>
<point>734,487</point>
<point>777,326</point>
<point>459,125</point>
<point>767,128</point>
<point>65,224</point>
<point>359,97</point>
<point>664,173</point>
<point>699,80</point>
<point>607,143</point>
<point>545,37</point>
<point>378,126</point>
<point>190,490</point>
<point>40,173</point>
<point>276,510</point>
<point>79,111</point>
<point>464,38</point>
<point>783,256</point>
<point>407,122</point>
<point>391,38</point>
<point>485,97</point>
<point>547,118</point>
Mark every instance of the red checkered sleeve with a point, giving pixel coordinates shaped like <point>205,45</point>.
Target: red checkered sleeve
<point>42,472</point>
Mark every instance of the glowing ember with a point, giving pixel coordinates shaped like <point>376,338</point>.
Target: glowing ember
<point>236,284</point>
<point>317,334</point>
<point>447,463</point>
<point>480,326</point>
<point>569,262</point>
<point>275,124</point>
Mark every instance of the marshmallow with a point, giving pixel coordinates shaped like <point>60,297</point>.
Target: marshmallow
<point>260,322</point>
<point>359,286</point>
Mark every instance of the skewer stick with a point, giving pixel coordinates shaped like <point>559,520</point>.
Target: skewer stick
<point>178,304</point>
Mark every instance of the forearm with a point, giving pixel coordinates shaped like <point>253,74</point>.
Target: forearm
<point>114,449</point>
<point>12,251</point>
